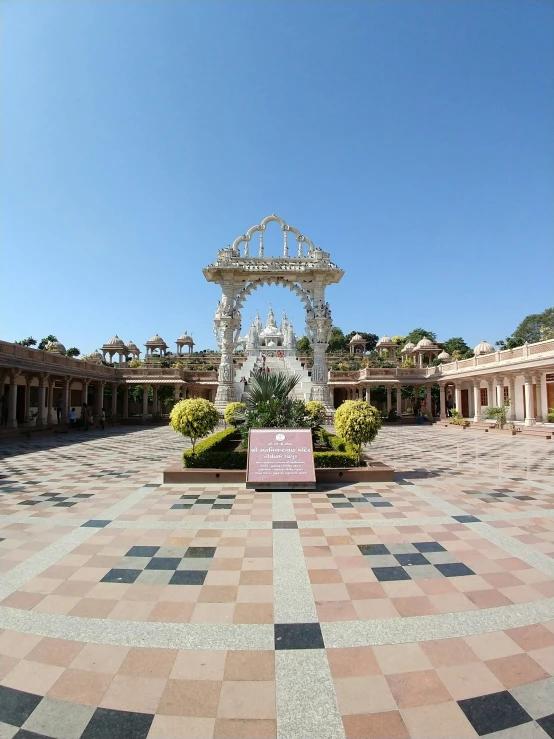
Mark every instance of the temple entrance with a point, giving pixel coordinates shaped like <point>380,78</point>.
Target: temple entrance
<point>340,394</point>
<point>306,273</point>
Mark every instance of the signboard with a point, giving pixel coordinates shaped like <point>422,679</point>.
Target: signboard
<point>280,459</point>
<point>550,377</point>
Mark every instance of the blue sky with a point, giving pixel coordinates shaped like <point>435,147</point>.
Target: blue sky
<point>412,140</point>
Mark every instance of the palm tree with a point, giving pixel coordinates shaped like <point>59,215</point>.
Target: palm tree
<point>265,387</point>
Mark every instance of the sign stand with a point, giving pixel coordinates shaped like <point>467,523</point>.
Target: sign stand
<point>280,459</point>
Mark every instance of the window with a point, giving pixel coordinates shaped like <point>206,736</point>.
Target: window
<point>484,396</point>
<point>506,393</point>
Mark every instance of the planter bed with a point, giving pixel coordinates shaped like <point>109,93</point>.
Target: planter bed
<point>374,472</point>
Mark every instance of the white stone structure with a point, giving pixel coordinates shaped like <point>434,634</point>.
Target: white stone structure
<point>269,338</point>
<point>115,346</point>
<point>182,341</point>
<point>307,273</point>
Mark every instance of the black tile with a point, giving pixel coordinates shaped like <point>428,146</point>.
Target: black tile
<point>285,525</point>
<point>384,574</point>
<point>152,485</point>
<point>31,502</point>
<point>454,569</point>
<point>83,495</point>
<point>64,505</point>
<point>466,519</point>
<point>503,490</point>
<point>379,504</point>
<point>189,497</point>
<point>188,577</point>
<point>220,506</point>
<point>163,563</point>
<point>358,500</point>
<point>298,636</point>
<point>106,722</point>
<point>65,497</point>
<point>142,551</point>
<point>412,559</point>
<point>181,506</point>
<point>95,523</point>
<point>336,495</point>
<point>403,482</point>
<point>523,497</point>
<point>366,549</point>
<point>429,546</point>
<point>493,712</point>
<point>24,734</point>
<point>547,724</point>
<point>342,505</point>
<point>200,552</point>
<point>125,576</point>
<point>16,706</point>
<point>372,495</point>
<point>226,497</point>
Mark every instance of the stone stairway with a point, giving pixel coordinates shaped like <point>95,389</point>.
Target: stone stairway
<point>287,365</point>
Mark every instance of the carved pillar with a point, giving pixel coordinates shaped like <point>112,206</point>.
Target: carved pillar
<point>389,398</point>
<point>399,400</point>
<point>227,320</point>
<point>177,392</point>
<point>84,391</point>
<point>144,402</point>
<point>125,401</point>
<point>65,399</point>
<point>490,393</point>
<point>442,389</point>
<point>42,386</point>
<point>27,415</point>
<point>538,409</point>
<point>319,325</point>
<point>458,396</point>
<point>529,404</point>
<point>50,402</point>
<point>511,415</point>
<point>99,397</point>
<point>114,398</point>
<point>368,394</point>
<point>477,400</point>
<point>12,401</point>
<point>155,399</point>
<point>429,402</point>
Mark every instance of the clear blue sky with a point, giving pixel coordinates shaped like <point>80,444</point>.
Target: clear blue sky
<point>412,140</point>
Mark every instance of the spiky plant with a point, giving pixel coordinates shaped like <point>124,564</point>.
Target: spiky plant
<point>267,386</point>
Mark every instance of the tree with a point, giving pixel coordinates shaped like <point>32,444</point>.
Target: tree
<point>29,341</point>
<point>370,339</point>
<point>358,423</point>
<point>73,352</point>
<point>46,340</point>
<point>233,411</point>
<point>303,345</point>
<point>399,340</point>
<point>458,345</point>
<point>337,341</point>
<point>419,333</point>
<point>194,418</point>
<point>532,329</point>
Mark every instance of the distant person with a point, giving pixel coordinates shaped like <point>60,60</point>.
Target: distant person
<point>449,406</point>
<point>267,370</point>
<point>72,418</point>
<point>102,419</point>
<point>59,408</point>
<point>90,417</point>
<point>4,407</point>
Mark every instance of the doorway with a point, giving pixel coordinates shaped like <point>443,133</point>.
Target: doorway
<point>465,403</point>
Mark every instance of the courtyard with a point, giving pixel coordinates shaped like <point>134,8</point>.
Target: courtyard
<point>418,608</point>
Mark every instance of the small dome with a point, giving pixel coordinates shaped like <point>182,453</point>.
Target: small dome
<point>384,340</point>
<point>185,339</point>
<point>156,340</point>
<point>132,347</point>
<point>56,347</point>
<point>95,357</point>
<point>409,347</point>
<point>115,343</point>
<point>356,337</point>
<point>444,355</point>
<point>426,343</point>
<point>483,348</point>
<point>272,343</point>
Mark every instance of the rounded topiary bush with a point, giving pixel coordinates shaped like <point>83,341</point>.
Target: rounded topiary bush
<point>358,423</point>
<point>316,411</point>
<point>194,418</point>
<point>234,411</point>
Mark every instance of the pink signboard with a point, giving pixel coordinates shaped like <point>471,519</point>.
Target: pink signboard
<point>280,459</point>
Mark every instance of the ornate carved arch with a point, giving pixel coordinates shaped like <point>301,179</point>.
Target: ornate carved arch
<point>260,227</point>
<point>303,293</point>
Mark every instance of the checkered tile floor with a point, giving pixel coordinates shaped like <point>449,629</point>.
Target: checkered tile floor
<point>450,537</point>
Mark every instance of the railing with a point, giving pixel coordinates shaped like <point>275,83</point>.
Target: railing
<point>52,361</point>
<point>520,352</point>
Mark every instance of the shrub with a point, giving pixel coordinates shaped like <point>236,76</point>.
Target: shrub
<point>550,415</point>
<point>358,423</point>
<point>211,453</point>
<point>335,459</point>
<point>498,413</point>
<point>232,411</point>
<point>316,412</point>
<point>456,418</point>
<point>194,418</point>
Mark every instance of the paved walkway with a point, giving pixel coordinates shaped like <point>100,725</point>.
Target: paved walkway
<point>420,608</point>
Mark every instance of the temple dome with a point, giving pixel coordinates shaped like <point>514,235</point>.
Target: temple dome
<point>185,339</point>
<point>95,357</point>
<point>425,343</point>
<point>132,347</point>
<point>409,347</point>
<point>115,343</point>
<point>384,340</point>
<point>356,337</point>
<point>483,348</point>
<point>444,355</point>
<point>156,340</point>
<point>56,347</point>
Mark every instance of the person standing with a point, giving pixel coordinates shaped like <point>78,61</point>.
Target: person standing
<point>59,408</point>
<point>102,419</point>
<point>72,418</point>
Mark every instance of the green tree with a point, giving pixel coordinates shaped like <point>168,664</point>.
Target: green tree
<point>46,340</point>
<point>457,344</point>
<point>73,352</point>
<point>194,418</point>
<point>531,329</point>
<point>371,339</point>
<point>303,345</point>
<point>419,333</point>
<point>358,423</point>
<point>232,411</point>
<point>29,341</point>
<point>337,341</point>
